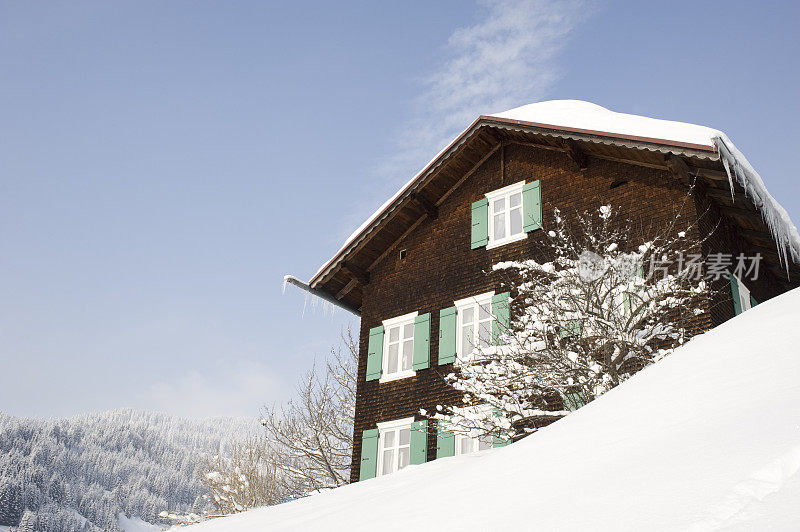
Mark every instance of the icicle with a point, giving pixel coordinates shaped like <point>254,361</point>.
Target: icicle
<point>783,231</point>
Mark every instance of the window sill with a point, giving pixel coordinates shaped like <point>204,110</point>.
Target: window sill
<point>397,376</point>
<point>487,351</point>
<point>503,242</point>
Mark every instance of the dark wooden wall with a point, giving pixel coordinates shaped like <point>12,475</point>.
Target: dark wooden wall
<point>440,267</point>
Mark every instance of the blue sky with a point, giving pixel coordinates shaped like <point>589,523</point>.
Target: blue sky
<point>164,164</point>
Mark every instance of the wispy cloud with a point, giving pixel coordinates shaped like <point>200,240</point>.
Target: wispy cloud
<point>508,58</point>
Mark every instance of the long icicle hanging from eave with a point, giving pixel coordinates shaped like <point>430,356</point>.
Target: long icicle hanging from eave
<point>328,308</point>
<point>784,232</point>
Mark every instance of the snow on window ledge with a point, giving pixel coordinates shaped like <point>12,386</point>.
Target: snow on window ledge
<point>397,376</point>
<point>502,242</point>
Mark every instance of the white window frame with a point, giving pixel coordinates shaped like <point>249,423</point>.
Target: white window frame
<point>744,294</point>
<point>506,192</point>
<point>460,438</point>
<point>399,321</point>
<point>461,305</point>
<point>393,426</point>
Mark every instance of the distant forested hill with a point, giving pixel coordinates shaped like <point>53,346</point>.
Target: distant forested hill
<point>80,473</point>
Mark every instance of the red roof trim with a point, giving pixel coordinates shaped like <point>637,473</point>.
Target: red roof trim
<point>651,140</point>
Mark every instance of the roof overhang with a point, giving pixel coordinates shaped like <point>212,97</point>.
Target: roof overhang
<point>345,274</point>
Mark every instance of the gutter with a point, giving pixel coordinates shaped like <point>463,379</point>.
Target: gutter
<point>291,279</point>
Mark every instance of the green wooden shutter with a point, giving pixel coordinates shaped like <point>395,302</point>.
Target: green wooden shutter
<point>419,442</point>
<point>500,441</point>
<point>375,353</point>
<point>572,401</point>
<point>480,223</point>
<point>422,342</point>
<point>570,328</point>
<point>501,316</point>
<point>737,303</point>
<point>532,205</point>
<point>369,454</point>
<point>445,442</point>
<point>753,301</point>
<point>627,297</point>
<point>447,335</point>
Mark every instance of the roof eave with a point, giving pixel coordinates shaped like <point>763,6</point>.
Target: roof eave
<point>486,120</point>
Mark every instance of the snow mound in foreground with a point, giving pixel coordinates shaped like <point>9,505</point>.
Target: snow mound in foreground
<point>706,439</point>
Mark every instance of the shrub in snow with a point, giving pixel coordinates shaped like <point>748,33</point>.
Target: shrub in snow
<point>245,479</point>
<point>606,303</point>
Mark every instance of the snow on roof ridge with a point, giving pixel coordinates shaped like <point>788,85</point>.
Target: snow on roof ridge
<point>585,115</point>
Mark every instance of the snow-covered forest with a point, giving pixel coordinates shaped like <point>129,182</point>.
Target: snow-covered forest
<point>81,473</point>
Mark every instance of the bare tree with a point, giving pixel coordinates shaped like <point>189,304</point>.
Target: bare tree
<point>312,435</point>
<point>607,303</point>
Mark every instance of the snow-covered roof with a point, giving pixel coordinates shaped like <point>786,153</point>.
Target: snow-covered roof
<point>585,117</point>
<point>706,439</point>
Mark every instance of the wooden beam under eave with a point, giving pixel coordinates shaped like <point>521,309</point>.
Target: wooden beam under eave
<point>487,143</point>
<point>425,204</point>
<point>347,288</point>
<point>740,211</point>
<point>738,194</point>
<point>470,155</point>
<point>713,175</point>
<point>356,272</point>
<point>774,260</point>
<point>469,173</point>
<point>678,168</point>
<point>578,157</point>
<point>631,161</point>
<point>761,236</point>
<point>537,145</point>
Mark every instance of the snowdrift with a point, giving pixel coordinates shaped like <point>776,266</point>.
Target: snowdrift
<point>707,439</point>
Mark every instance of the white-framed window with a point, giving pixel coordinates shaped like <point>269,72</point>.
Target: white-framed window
<point>474,324</point>
<point>744,294</point>
<point>398,347</point>
<point>394,445</point>
<point>505,215</point>
<point>466,444</point>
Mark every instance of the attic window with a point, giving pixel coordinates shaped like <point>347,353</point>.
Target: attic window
<point>618,183</point>
<point>505,215</point>
<point>402,254</point>
<point>398,348</point>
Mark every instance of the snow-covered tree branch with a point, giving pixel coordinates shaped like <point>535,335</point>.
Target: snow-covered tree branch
<point>601,303</point>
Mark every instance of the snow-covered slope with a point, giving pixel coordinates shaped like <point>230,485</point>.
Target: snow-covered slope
<point>706,439</point>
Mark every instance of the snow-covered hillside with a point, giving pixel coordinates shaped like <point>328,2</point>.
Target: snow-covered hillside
<point>709,438</point>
